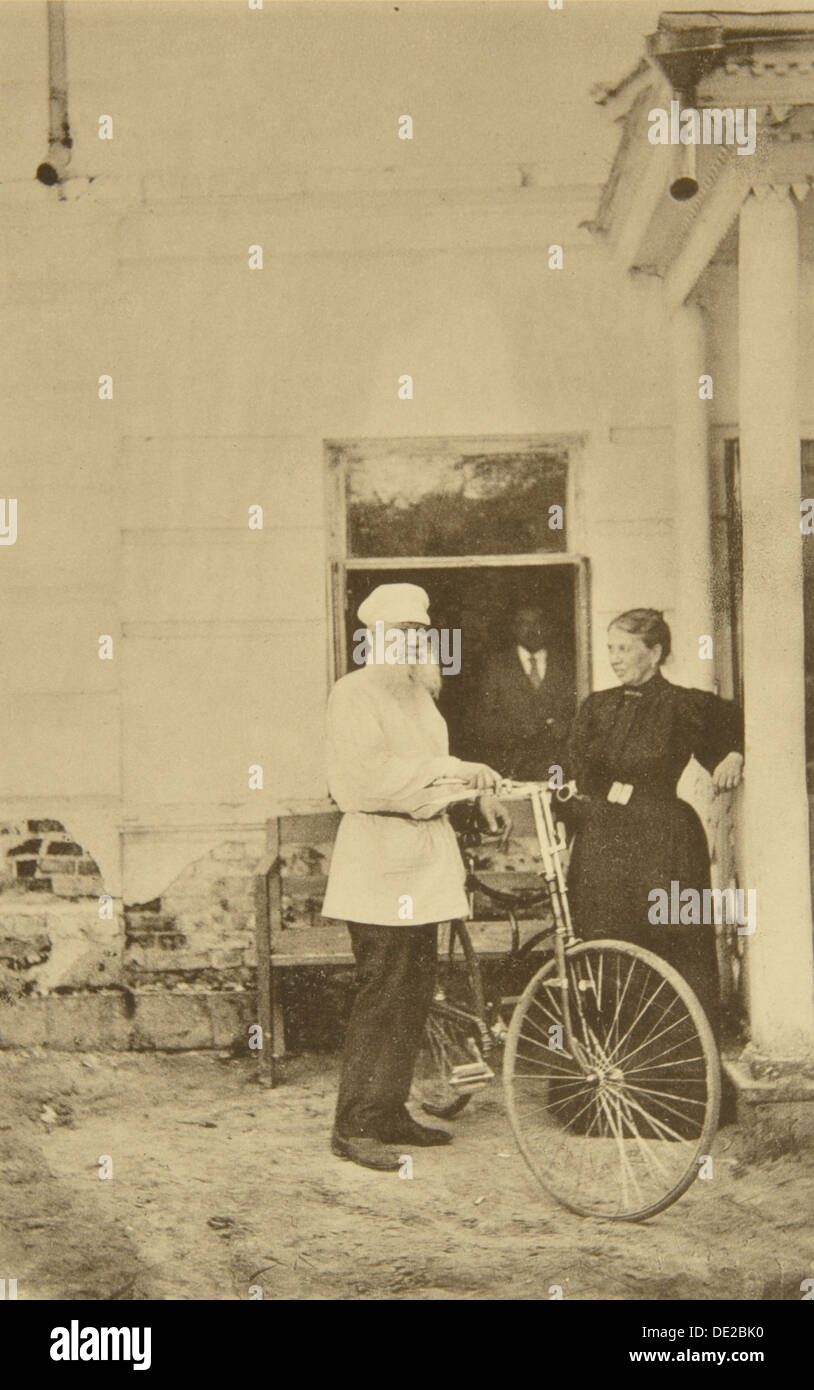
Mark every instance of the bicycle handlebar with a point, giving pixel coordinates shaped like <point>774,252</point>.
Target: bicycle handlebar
<point>508,790</point>
<point>516,791</point>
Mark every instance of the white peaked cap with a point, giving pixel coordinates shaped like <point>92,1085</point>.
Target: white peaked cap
<point>395,603</point>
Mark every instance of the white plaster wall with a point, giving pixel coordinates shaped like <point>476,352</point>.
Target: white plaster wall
<point>380,259</point>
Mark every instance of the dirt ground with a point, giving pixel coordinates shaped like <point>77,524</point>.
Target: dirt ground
<point>220,1186</point>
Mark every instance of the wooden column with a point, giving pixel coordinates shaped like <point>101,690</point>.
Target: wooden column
<point>780,962</point>
<point>692,501</point>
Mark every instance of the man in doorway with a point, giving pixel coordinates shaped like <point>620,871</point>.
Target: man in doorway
<point>524,702</point>
<point>396,872</point>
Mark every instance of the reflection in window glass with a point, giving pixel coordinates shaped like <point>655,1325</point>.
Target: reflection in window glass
<point>453,497</point>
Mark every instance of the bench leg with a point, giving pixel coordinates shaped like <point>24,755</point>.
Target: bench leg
<point>276,1043</point>
<point>266,984</point>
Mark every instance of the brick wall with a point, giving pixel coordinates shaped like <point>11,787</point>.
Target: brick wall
<point>51,934</point>
<point>176,972</point>
<point>42,857</point>
<point>200,933</point>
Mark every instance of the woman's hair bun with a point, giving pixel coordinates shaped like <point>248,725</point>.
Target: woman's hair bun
<point>649,624</point>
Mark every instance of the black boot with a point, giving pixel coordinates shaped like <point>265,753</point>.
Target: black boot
<point>401,1128</point>
<point>369,1153</point>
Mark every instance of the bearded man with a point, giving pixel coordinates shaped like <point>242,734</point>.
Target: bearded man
<point>396,872</point>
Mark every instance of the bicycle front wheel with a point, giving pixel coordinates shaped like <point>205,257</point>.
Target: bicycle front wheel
<point>615,1123</point>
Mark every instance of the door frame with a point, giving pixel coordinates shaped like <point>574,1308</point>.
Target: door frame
<point>337,589</point>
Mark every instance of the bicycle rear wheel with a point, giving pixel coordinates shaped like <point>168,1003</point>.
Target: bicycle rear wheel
<point>614,1126</point>
<point>452,1063</point>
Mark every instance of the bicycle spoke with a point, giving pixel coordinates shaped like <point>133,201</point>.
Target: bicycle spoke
<point>546,1048</point>
<point>565,1100</point>
<point>539,1030</point>
<point>572,1121</point>
<point>620,1001</point>
<point>555,1019</point>
<point>624,1164</point>
<point>646,1150</point>
<point>680,1062</point>
<point>657,1036</point>
<point>639,1018</point>
<point>655,1122</point>
<point>649,1090</point>
<point>683,1115</point>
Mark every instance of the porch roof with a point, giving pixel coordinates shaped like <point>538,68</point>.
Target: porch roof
<point>714,59</point>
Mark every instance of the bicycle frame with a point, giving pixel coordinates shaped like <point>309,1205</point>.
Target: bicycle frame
<point>552,846</point>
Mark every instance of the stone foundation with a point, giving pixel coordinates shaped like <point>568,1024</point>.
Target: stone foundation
<point>774,1102</point>
<point>119,1021</point>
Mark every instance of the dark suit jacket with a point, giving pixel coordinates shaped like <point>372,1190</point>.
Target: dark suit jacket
<point>518,730</point>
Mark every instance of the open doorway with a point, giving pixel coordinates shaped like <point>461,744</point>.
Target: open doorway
<point>480,600</point>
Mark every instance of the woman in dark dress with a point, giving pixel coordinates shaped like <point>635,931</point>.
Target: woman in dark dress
<point>628,749</point>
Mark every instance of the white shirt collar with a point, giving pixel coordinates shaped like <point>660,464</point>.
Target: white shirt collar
<point>529,659</point>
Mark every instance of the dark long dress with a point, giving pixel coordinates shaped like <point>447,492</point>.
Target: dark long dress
<point>644,736</point>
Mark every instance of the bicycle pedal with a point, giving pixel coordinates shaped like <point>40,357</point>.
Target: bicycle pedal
<point>478,1068</point>
<point>471,1074</point>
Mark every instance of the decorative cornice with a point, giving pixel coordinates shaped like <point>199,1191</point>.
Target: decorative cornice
<point>763,64</point>
<point>762,81</point>
<point>798,191</point>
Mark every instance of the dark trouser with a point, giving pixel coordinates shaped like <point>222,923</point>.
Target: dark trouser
<point>396,979</point>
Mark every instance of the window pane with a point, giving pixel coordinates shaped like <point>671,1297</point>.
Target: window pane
<point>453,497</point>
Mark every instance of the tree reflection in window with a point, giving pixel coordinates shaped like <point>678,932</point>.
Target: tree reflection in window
<point>453,497</point>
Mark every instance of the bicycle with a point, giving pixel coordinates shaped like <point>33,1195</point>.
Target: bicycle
<point>611,1073</point>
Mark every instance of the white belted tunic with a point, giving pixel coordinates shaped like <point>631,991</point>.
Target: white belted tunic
<point>395,852</point>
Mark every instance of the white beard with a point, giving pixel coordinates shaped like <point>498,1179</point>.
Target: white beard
<point>428,676</point>
<point>402,677</point>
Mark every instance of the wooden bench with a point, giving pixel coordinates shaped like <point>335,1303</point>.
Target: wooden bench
<point>289,889</point>
<point>290,886</point>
